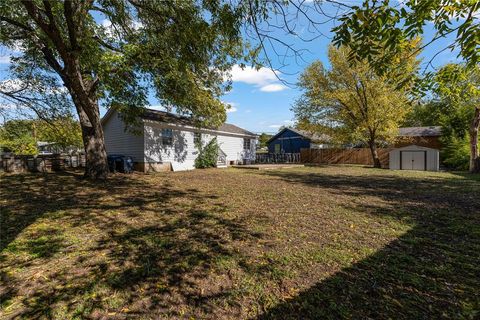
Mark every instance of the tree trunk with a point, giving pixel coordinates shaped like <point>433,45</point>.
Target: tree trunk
<point>373,150</point>
<point>96,165</point>
<point>86,103</point>
<point>474,152</point>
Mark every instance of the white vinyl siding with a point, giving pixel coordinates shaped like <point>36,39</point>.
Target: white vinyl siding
<point>119,141</point>
<point>233,147</point>
<point>181,153</point>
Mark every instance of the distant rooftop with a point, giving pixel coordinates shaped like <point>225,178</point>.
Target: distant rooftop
<point>306,134</point>
<point>433,131</point>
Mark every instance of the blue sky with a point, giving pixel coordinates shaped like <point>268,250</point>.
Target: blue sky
<point>260,102</point>
<point>261,111</point>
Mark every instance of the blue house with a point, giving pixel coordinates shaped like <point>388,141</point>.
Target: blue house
<point>290,140</point>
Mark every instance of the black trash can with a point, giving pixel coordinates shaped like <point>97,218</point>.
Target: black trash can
<point>120,163</point>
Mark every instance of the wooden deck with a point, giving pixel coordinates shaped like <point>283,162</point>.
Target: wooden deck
<point>272,166</point>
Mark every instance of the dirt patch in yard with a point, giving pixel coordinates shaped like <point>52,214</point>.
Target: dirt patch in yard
<point>309,243</point>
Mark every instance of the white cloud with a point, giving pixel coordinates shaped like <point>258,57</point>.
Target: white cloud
<point>263,78</point>
<point>250,75</point>
<point>289,122</point>
<point>106,23</point>
<point>230,106</point>
<point>274,87</point>
<point>275,126</point>
<point>4,59</point>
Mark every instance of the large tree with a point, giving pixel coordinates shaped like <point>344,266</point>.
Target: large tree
<point>377,30</point>
<point>458,86</point>
<point>352,103</point>
<point>117,53</point>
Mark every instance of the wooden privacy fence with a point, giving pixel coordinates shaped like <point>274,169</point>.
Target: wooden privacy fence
<point>40,163</point>
<point>344,156</point>
<point>277,158</point>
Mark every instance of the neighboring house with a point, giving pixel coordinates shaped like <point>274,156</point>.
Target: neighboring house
<point>421,136</point>
<point>165,141</point>
<point>53,148</point>
<point>290,140</point>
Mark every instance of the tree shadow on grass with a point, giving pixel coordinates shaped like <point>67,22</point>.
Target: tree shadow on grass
<point>124,248</point>
<point>431,272</point>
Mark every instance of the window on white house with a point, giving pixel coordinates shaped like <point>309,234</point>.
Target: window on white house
<point>167,137</point>
<point>246,144</point>
<point>197,138</point>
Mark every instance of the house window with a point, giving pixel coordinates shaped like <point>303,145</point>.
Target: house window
<point>167,137</point>
<point>277,147</point>
<point>246,144</point>
<point>197,138</point>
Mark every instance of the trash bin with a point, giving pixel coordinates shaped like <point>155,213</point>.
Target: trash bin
<point>120,163</point>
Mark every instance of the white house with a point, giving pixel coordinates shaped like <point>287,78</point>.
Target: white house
<point>165,141</point>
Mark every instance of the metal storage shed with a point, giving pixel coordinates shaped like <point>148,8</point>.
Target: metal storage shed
<point>414,157</point>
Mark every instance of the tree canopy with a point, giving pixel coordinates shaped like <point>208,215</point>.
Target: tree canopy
<point>351,103</point>
<point>21,136</point>
<point>117,53</point>
<point>458,87</point>
<point>377,30</point>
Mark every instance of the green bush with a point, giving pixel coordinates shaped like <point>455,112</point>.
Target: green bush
<point>456,153</point>
<point>208,154</point>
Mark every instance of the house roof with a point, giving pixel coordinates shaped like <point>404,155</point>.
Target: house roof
<point>168,117</point>
<point>303,133</point>
<point>433,131</point>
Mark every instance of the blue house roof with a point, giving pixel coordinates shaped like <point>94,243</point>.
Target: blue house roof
<point>290,140</point>
<point>302,133</point>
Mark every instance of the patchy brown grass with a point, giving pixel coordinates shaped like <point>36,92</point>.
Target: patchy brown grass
<point>303,243</point>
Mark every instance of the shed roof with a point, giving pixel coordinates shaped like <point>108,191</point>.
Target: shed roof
<point>413,147</point>
<point>433,131</point>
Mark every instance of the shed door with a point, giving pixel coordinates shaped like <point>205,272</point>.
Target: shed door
<point>413,160</point>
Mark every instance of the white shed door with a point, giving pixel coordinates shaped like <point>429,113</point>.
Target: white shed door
<point>413,160</point>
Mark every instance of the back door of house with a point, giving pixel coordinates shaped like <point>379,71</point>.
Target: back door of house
<point>413,160</point>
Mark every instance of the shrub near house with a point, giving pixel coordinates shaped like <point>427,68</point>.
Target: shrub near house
<point>166,141</point>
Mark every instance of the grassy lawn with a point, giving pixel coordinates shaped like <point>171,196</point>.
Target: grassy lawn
<point>303,243</point>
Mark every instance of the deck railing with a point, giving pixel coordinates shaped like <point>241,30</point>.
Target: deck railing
<point>277,158</point>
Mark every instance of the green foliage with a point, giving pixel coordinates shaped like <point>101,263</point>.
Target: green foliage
<point>21,136</point>
<point>179,51</point>
<point>64,132</point>
<point>17,136</point>
<point>377,30</point>
<point>425,113</point>
<point>350,103</point>
<point>458,86</point>
<point>456,152</point>
<point>456,92</point>
<point>208,155</point>
<point>263,138</point>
